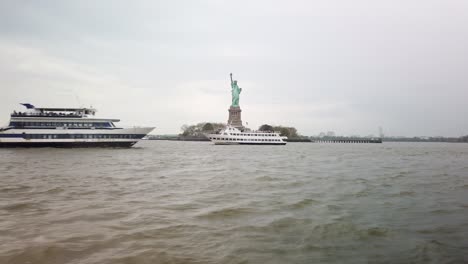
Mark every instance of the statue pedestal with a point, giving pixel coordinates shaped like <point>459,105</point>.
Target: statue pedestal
<point>235,117</point>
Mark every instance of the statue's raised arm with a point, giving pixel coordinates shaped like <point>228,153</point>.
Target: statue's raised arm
<point>231,78</point>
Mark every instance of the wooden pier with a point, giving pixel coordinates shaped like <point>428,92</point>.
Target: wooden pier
<point>347,140</point>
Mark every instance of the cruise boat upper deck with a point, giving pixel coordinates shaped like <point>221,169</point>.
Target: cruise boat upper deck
<point>32,111</point>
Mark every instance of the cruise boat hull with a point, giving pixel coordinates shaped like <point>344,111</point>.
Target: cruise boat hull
<point>247,143</point>
<point>72,138</point>
<point>68,144</point>
<point>263,144</point>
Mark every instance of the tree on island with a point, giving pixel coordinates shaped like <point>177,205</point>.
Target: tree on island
<point>208,127</point>
<point>290,132</point>
<point>266,128</point>
<point>200,129</point>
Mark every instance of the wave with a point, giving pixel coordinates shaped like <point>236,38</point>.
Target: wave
<point>226,213</point>
<point>19,206</point>
<point>302,204</point>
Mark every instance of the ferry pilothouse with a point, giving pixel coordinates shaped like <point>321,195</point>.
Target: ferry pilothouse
<point>66,127</point>
<point>233,136</point>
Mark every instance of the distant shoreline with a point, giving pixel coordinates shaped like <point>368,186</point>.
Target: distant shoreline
<point>313,140</point>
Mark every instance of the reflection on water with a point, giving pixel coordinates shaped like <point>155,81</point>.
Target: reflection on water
<point>193,202</point>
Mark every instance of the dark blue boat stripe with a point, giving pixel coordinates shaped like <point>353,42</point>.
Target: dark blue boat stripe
<point>11,135</point>
<point>73,136</point>
<point>117,144</point>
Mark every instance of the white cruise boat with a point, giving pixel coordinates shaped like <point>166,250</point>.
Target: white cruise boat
<point>66,127</point>
<point>233,136</point>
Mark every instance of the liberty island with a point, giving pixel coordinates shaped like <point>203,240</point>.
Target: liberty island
<point>236,134</point>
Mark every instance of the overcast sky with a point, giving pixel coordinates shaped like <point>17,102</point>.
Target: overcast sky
<point>343,66</point>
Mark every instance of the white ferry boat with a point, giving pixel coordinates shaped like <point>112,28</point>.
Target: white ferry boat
<point>233,136</point>
<point>66,127</point>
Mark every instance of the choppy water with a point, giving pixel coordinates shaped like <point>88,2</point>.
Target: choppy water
<point>193,202</point>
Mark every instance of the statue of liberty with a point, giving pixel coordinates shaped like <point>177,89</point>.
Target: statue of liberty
<point>235,91</point>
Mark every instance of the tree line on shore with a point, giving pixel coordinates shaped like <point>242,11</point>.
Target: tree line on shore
<point>200,129</point>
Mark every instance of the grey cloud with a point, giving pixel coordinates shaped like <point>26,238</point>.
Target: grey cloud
<point>350,66</point>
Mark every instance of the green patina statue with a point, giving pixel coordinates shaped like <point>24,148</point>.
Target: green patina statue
<point>235,91</point>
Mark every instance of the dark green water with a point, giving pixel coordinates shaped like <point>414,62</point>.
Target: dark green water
<point>193,202</point>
